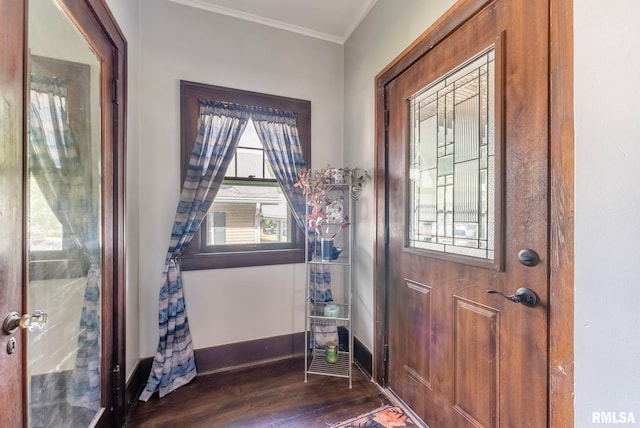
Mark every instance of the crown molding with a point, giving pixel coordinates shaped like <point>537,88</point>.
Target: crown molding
<point>262,20</point>
<point>363,13</point>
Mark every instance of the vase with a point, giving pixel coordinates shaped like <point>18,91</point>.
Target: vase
<point>326,248</point>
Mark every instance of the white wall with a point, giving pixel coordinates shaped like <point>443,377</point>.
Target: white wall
<point>183,43</point>
<point>607,235</point>
<point>126,13</point>
<point>385,32</point>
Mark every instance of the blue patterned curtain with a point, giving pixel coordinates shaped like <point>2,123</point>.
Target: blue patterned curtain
<point>55,164</point>
<point>278,132</point>
<point>220,126</point>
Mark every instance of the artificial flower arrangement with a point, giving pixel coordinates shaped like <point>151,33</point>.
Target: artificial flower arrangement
<point>326,214</point>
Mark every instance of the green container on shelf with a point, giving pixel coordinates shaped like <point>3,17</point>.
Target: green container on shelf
<point>331,353</point>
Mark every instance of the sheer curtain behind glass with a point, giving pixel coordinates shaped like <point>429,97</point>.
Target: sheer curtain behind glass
<point>220,126</point>
<point>55,164</point>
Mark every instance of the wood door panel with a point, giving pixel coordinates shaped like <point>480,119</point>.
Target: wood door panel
<point>418,363</point>
<point>412,325</point>
<point>477,355</point>
<point>480,346</point>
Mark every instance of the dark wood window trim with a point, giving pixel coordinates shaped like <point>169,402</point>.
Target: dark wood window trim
<point>196,256</point>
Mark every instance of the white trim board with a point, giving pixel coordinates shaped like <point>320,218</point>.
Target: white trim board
<point>200,4</point>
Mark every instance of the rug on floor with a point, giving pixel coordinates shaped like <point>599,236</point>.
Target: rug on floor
<point>384,417</point>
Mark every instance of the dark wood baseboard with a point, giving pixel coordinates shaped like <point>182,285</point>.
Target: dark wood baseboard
<point>225,357</point>
<point>235,355</point>
<point>362,356</point>
<point>136,384</point>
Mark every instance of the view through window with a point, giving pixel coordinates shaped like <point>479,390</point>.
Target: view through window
<point>250,207</point>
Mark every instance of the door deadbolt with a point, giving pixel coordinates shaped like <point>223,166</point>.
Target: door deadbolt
<point>528,257</point>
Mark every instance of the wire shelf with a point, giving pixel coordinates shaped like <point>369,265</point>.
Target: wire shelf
<point>319,366</point>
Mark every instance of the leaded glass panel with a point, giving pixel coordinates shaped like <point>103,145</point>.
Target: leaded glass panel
<point>452,162</point>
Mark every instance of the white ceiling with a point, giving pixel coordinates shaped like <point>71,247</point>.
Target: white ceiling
<point>332,20</point>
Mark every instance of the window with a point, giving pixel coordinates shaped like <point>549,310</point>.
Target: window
<point>249,223</point>
<point>251,199</point>
<point>54,250</point>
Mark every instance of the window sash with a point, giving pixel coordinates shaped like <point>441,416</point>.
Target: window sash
<point>206,227</point>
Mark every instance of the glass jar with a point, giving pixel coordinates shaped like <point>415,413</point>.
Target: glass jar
<point>331,353</point>
<point>332,310</point>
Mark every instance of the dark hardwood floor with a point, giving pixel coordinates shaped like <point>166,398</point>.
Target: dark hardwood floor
<point>269,395</point>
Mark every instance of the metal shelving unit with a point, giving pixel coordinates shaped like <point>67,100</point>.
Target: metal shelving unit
<point>341,272</point>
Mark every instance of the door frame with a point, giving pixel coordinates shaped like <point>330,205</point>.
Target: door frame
<point>560,205</point>
<point>12,114</point>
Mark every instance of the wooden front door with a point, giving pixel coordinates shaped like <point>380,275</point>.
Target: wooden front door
<point>467,181</point>
<point>62,214</point>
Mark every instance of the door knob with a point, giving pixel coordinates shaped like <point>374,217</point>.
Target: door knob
<point>33,322</point>
<point>526,296</point>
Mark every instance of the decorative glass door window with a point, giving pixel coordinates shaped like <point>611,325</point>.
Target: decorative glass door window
<point>452,162</point>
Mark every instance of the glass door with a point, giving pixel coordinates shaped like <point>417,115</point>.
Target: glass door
<point>63,221</point>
